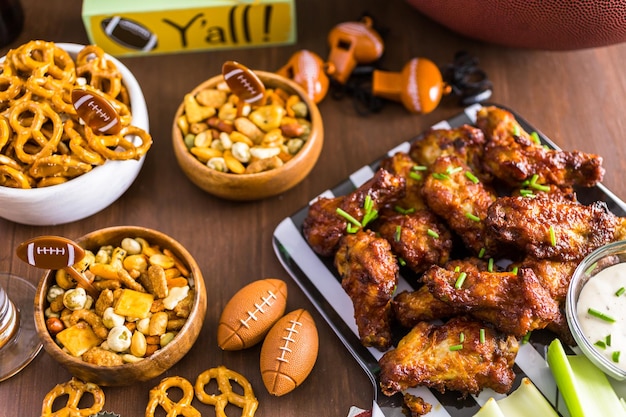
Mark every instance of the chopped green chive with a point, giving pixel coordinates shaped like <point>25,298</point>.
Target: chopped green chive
<point>415,176</point>
<point>481,253</point>
<point>620,292</point>
<point>370,212</point>
<point>600,315</point>
<point>514,270</point>
<point>432,233</point>
<point>419,168</point>
<point>607,340</point>
<point>490,265</point>
<point>532,183</point>
<point>461,337</point>
<point>368,204</point>
<point>401,261</point>
<point>459,281</point>
<point>369,216</point>
<point>600,344</point>
<point>589,270</point>
<point>615,356</point>
<point>481,335</point>
<point>535,137</point>
<point>472,216</point>
<point>402,210</point>
<point>526,193</point>
<point>453,170</point>
<point>473,178</point>
<point>516,130</point>
<point>456,347</point>
<point>457,268</point>
<point>540,187</point>
<point>351,228</point>
<point>348,217</point>
<point>526,338</point>
<point>398,234</point>
<point>440,176</point>
<point>552,236</point>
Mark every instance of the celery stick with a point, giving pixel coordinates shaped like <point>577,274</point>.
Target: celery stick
<point>586,389</point>
<point>490,409</point>
<point>525,401</point>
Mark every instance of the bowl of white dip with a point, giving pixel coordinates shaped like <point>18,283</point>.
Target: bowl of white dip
<point>596,308</point>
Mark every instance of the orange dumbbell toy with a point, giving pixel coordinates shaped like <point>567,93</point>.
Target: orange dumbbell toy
<point>352,43</point>
<point>419,86</point>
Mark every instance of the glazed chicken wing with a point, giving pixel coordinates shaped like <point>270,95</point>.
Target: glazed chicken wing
<point>513,156</point>
<point>553,275</point>
<point>411,307</point>
<point>369,274</point>
<point>402,165</point>
<point>451,356</point>
<point>452,195</point>
<point>419,238</point>
<point>515,303</point>
<point>551,228</point>
<point>324,227</point>
<point>465,142</point>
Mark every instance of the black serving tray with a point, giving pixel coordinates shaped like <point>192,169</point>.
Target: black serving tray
<point>317,277</point>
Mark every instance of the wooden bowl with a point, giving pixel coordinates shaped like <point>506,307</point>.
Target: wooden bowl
<point>162,359</point>
<point>248,187</point>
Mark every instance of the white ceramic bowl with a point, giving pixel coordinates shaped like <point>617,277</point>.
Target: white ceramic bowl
<point>600,259</point>
<point>89,193</point>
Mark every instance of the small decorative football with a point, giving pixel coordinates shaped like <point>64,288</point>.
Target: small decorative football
<point>250,313</point>
<point>289,352</point>
<point>50,252</point>
<point>548,24</point>
<point>96,111</point>
<point>243,82</point>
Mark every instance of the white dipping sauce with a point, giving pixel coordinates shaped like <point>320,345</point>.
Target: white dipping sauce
<point>599,293</point>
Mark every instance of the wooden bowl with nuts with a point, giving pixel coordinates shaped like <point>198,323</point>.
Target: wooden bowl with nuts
<point>148,312</point>
<point>244,152</point>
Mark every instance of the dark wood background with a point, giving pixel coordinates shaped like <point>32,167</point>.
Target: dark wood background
<point>575,98</point>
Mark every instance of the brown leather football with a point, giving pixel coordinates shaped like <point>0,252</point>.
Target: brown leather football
<point>547,24</point>
<point>289,352</point>
<point>250,313</point>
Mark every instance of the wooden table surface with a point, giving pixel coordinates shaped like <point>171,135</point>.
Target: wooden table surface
<point>576,98</point>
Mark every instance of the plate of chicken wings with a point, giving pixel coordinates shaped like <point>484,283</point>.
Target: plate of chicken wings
<point>443,265</point>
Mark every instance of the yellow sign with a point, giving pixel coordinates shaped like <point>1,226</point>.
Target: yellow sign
<point>187,28</point>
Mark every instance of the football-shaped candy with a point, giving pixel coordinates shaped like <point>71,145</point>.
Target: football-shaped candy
<point>548,24</point>
<point>50,252</point>
<point>96,111</point>
<point>289,352</point>
<point>243,82</point>
<point>250,313</point>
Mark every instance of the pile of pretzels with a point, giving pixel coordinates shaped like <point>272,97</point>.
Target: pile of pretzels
<point>43,141</point>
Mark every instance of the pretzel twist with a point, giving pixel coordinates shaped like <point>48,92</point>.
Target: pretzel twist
<point>79,145</point>
<point>247,402</point>
<point>10,86</point>
<point>119,147</point>
<point>159,398</point>
<point>74,389</point>
<point>100,72</point>
<point>31,130</point>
